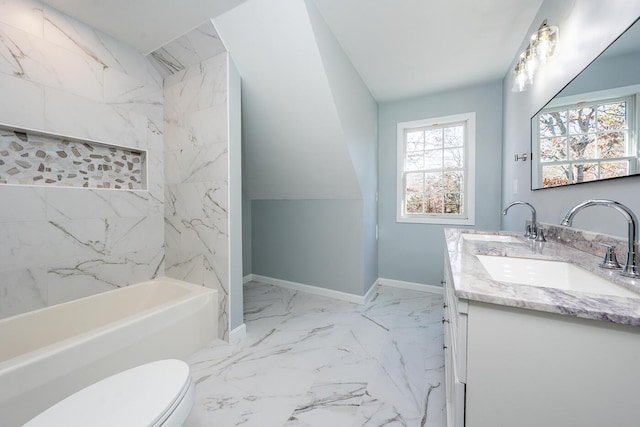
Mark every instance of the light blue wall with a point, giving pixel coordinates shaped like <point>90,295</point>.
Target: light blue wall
<point>579,46</point>
<point>414,252</point>
<point>358,113</point>
<point>314,242</point>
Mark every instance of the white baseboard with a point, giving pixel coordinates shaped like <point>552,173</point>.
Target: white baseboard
<point>367,296</point>
<point>411,285</point>
<point>246,279</point>
<point>238,334</point>
<point>316,290</point>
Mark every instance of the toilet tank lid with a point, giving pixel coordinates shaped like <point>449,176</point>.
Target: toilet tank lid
<point>139,396</point>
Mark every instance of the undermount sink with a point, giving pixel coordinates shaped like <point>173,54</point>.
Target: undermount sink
<point>490,237</point>
<point>550,274</point>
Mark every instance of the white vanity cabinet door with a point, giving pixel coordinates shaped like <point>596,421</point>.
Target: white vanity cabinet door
<point>455,338</point>
<point>507,366</point>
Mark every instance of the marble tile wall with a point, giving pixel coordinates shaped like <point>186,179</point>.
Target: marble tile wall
<point>60,76</point>
<point>192,48</point>
<point>196,178</point>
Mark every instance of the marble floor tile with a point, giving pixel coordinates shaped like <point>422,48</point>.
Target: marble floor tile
<point>313,361</point>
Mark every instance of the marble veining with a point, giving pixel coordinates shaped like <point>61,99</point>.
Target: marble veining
<point>196,188</point>
<point>60,76</point>
<point>313,361</point>
<point>471,281</point>
<point>190,49</point>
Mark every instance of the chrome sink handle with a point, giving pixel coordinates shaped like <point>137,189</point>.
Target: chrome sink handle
<point>631,265</point>
<point>530,233</point>
<point>610,260</point>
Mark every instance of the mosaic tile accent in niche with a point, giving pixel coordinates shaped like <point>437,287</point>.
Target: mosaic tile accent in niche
<point>38,159</point>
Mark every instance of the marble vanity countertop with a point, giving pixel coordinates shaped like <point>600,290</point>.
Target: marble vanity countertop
<point>472,282</point>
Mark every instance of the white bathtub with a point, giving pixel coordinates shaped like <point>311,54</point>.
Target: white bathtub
<point>47,354</point>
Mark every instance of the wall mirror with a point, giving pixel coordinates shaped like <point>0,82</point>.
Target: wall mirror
<point>589,130</point>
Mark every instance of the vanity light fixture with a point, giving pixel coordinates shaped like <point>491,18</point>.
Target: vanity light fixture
<point>542,46</point>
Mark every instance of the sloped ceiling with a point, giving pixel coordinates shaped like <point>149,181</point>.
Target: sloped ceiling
<point>400,48</point>
<point>293,143</point>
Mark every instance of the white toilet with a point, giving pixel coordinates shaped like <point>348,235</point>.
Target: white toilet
<point>156,394</point>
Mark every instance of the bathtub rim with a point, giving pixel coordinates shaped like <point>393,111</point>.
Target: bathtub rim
<point>15,363</point>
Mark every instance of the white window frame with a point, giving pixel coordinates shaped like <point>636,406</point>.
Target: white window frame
<point>631,94</point>
<point>468,210</point>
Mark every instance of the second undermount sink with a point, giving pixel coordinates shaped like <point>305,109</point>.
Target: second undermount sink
<point>550,274</point>
<point>490,237</point>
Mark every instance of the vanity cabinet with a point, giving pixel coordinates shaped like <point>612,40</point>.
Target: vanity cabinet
<point>508,366</point>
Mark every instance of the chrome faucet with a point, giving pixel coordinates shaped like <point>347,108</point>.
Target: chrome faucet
<point>532,231</point>
<point>630,268</point>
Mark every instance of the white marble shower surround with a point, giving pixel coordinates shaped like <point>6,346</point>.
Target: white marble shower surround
<point>308,360</point>
<point>64,77</point>
<point>196,179</point>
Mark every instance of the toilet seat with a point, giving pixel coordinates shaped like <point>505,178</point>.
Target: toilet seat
<point>156,394</point>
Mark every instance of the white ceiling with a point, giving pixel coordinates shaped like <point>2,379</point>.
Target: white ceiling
<point>144,24</point>
<point>400,48</point>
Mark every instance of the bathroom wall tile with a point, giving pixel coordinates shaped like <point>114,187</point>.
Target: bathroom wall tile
<point>155,174</point>
<point>209,65</point>
<point>76,240</point>
<point>206,199</point>
<point>131,93</point>
<point>128,204</point>
<point>95,46</point>
<point>204,88</point>
<point>24,245</point>
<point>202,127</point>
<point>190,49</point>
<point>184,266</point>
<point>155,133</point>
<point>70,115</point>
<point>22,290</point>
<point>26,106</point>
<point>200,164</point>
<point>137,238</point>
<point>26,15</point>
<point>31,58</point>
<point>22,203</point>
<point>74,203</point>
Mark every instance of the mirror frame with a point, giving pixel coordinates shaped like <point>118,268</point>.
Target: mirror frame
<point>535,162</point>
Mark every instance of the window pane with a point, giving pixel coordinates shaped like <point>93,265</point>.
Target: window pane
<point>434,203</point>
<point>453,181</point>
<point>555,175</point>
<point>614,169</point>
<point>415,141</point>
<point>433,139</point>
<point>612,116</point>
<point>553,124</point>
<point>433,182</point>
<point>582,147</point>
<point>433,159</point>
<point>582,120</point>
<point>553,149</point>
<point>585,172</point>
<point>454,136</point>
<point>414,203</point>
<point>453,203</point>
<point>414,162</point>
<point>453,158</point>
<point>414,183</point>
<point>611,145</point>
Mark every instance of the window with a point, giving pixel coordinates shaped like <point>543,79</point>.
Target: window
<point>436,160</point>
<point>585,141</point>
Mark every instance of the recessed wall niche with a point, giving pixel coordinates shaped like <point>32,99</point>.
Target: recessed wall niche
<point>35,158</point>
